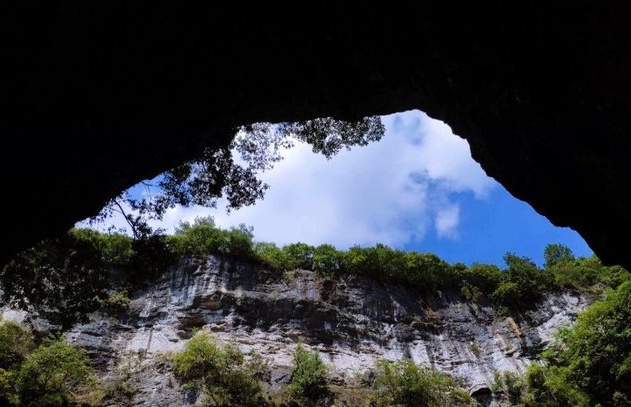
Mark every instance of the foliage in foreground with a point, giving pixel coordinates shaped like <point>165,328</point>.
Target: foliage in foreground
<point>51,374</point>
<point>227,377</point>
<point>540,386</point>
<point>589,364</point>
<point>222,373</point>
<point>63,279</point>
<point>406,384</point>
<point>309,375</point>
<point>16,342</point>
<point>595,353</point>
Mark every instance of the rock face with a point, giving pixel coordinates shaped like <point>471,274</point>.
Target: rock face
<point>97,97</point>
<point>351,322</point>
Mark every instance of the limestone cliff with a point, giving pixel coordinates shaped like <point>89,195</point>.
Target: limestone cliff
<point>352,322</point>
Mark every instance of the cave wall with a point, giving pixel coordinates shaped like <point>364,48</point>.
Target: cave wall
<point>98,96</point>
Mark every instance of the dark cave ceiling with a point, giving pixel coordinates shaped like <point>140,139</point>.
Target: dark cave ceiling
<point>97,96</point>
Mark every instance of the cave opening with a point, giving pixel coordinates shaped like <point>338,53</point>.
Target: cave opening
<point>415,189</point>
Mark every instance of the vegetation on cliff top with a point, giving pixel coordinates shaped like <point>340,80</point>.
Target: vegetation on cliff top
<point>66,278</point>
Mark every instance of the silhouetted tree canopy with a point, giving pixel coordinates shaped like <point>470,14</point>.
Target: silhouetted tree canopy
<point>218,173</point>
<point>62,279</point>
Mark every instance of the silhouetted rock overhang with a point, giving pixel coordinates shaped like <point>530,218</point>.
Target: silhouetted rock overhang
<point>96,96</point>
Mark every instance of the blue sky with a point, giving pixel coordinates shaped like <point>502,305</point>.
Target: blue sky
<point>416,189</point>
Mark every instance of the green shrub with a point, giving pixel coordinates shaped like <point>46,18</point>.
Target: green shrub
<point>595,353</point>
<point>117,303</point>
<point>583,272</point>
<point>118,388</point>
<point>8,391</point>
<point>470,292</point>
<point>271,255</point>
<point>203,237</point>
<point>16,342</point>
<point>511,385</point>
<point>613,276</point>
<point>327,260</point>
<point>53,374</point>
<point>541,386</point>
<point>522,284</point>
<point>221,373</point>
<point>376,262</point>
<point>427,271</point>
<point>573,275</point>
<point>405,384</point>
<point>557,253</point>
<point>63,279</point>
<point>200,238</point>
<point>549,387</point>
<point>507,294</point>
<point>589,363</point>
<point>238,242</point>
<point>421,270</point>
<point>308,377</point>
<point>115,248</point>
<point>486,278</point>
<point>299,256</point>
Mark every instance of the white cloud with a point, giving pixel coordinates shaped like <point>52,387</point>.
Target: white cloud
<point>446,222</point>
<point>388,192</point>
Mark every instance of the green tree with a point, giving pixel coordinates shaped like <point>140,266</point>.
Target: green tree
<point>327,260</point>
<point>550,387</point>
<point>271,255</point>
<point>116,249</point>
<point>299,256</point>
<point>16,342</point>
<point>222,373</point>
<point>239,242</point>
<point>556,253</point>
<point>308,377</point>
<point>200,238</point>
<point>511,385</point>
<point>483,276</point>
<point>427,271</point>
<point>522,283</point>
<point>406,384</point>
<point>62,279</point>
<point>204,237</point>
<point>53,374</point>
<point>595,352</point>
